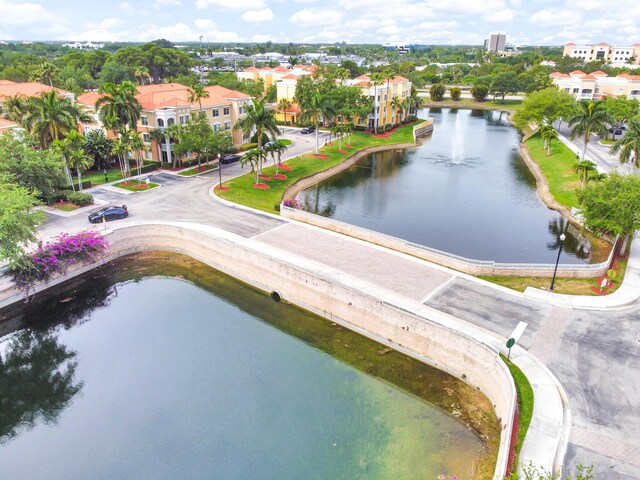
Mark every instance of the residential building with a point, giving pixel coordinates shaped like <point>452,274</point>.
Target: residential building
<point>7,126</point>
<point>597,85</point>
<point>603,52</point>
<point>496,42</point>
<point>28,89</point>
<point>167,104</point>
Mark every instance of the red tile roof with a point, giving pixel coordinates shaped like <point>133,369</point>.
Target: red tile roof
<point>588,77</point>
<point>250,69</point>
<point>4,123</point>
<point>291,76</point>
<point>599,73</point>
<point>577,72</point>
<point>26,89</point>
<point>280,68</point>
<point>399,79</point>
<point>362,84</point>
<point>602,44</point>
<point>570,43</point>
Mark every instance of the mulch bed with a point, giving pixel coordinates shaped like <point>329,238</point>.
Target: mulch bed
<point>280,176</point>
<point>598,291</point>
<point>285,167</point>
<point>264,177</point>
<point>343,151</point>
<point>324,158</point>
<point>348,145</point>
<point>125,184</point>
<point>140,186</point>
<point>261,186</point>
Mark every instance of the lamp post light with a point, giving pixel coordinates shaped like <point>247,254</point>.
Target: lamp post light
<point>220,170</point>
<point>555,270</point>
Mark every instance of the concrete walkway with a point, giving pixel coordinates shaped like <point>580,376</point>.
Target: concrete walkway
<point>582,355</point>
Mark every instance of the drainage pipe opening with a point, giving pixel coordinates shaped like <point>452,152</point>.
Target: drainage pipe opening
<point>275,296</point>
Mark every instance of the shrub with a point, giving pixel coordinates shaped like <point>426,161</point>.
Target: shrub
<point>85,184</point>
<point>479,92</point>
<point>291,203</point>
<point>437,92</point>
<point>80,199</point>
<point>54,197</point>
<point>247,146</point>
<point>55,257</point>
<point>265,138</point>
<point>455,93</point>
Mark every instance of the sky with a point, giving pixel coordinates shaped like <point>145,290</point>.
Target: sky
<point>440,22</point>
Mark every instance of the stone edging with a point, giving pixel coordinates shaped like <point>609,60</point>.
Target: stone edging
<point>302,183</point>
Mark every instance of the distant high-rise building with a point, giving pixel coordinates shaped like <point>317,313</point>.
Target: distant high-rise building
<point>496,42</point>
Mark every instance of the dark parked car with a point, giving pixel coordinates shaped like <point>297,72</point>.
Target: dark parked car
<point>309,129</point>
<point>615,130</point>
<point>109,213</point>
<point>229,158</point>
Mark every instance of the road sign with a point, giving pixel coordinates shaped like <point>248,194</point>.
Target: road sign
<point>510,343</point>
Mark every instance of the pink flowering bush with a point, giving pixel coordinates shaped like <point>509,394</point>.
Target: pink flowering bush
<point>53,258</point>
<point>291,203</point>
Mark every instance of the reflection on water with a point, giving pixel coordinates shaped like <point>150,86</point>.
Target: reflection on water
<point>37,382</point>
<point>465,190</point>
<point>200,376</point>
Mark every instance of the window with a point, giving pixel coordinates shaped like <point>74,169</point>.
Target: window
<point>216,112</point>
<point>240,109</point>
<point>226,111</point>
<point>144,121</point>
<point>171,121</point>
<point>160,122</point>
<point>186,118</point>
<point>227,125</point>
<point>146,138</point>
<point>216,127</point>
<point>576,90</point>
<point>181,119</point>
<point>87,130</point>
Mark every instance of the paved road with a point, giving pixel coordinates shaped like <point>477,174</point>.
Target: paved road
<point>600,154</point>
<point>595,355</point>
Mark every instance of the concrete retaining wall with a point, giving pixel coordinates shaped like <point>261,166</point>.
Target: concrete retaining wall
<point>426,334</point>
<point>461,264</point>
<point>423,129</point>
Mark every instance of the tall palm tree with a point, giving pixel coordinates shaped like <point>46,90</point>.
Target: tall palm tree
<point>175,132</point>
<point>397,104</point>
<point>376,79</point>
<point>120,150</point>
<point>15,108</point>
<point>337,131</point>
<point>76,156</point>
<point>196,93</point>
<point>585,168</point>
<point>284,104</point>
<point>138,147</point>
<point>259,118</point>
<point>548,134</point>
<point>141,74</point>
<point>119,108</point>
<point>254,158</point>
<point>629,145</point>
<point>45,71</point>
<point>157,135</point>
<point>51,117</point>
<point>592,117</point>
<point>317,108</point>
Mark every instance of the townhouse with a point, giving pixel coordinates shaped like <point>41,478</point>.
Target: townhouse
<point>597,85</point>
<point>603,52</point>
<point>167,104</point>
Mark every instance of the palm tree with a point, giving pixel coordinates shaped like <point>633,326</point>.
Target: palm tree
<point>196,93</point>
<point>254,158</point>
<point>119,107</point>
<point>260,118</point>
<point>337,131</point>
<point>51,117</point>
<point>120,150</point>
<point>99,147</point>
<point>283,105</point>
<point>76,157</point>
<point>348,130</point>
<point>592,117</point>
<point>15,108</point>
<point>375,80</point>
<point>45,71</point>
<point>138,148</point>
<point>141,74</point>
<point>279,148</point>
<point>159,137</point>
<point>397,104</point>
<point>585,168</point>
<point>317,108</point>
<point>548,133</point>
<point>629,145</point>
<point>175,132</point>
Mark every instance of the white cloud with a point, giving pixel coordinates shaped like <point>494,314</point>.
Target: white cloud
<point>126,8</point>
<point>26,15</point>
<point>504,15</point>
<point>257,15</point>
<point>232,5</point>
<point>176,3</point>
<point>205,24</point>
<point>555,18</point>
<point>315,18</point>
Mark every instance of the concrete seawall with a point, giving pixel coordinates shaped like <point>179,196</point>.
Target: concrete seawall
<point>424,333</point>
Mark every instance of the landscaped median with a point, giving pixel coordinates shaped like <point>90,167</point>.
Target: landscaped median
<point>242,190</point>
<point>136,185</point>
<point>198,170</point>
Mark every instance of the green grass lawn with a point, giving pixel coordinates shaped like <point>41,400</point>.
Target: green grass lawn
<point>559,169</point>
<point>242,190</point>
<point>525,401</point>
<point>194,171</point>
<point>134,186</point>
<point>511,105</point>
<point>569,286</point>
<point>97,178</point>
<point>285,141</point>
<point>65,207</point>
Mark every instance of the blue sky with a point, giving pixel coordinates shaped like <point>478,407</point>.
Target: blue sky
<point>526,22</point>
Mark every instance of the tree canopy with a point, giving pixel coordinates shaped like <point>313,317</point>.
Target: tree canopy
<point>545,107</point>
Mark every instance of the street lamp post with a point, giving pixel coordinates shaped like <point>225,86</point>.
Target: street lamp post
<point>220,170</point>
<point>555,270</point>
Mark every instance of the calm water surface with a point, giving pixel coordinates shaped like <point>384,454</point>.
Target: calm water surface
<point>160,378</point>
<point>465,190</point>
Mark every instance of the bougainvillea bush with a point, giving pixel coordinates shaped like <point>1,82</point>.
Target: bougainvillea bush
<point>53,258</point>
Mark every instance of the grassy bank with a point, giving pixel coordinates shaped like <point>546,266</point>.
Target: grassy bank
<point>525,402</point>
<point>242,190</point>
<point>508,105</point>
<point>559,168</point>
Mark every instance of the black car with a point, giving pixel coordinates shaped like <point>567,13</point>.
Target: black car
<point>310,129</point>
<point>109,213</point>
<point>615,130</point>
<point>229,158</point>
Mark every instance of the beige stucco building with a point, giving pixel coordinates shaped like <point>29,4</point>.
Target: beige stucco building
<point>616,56</point>
<point>168,103</point>
<point>597,85</point>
